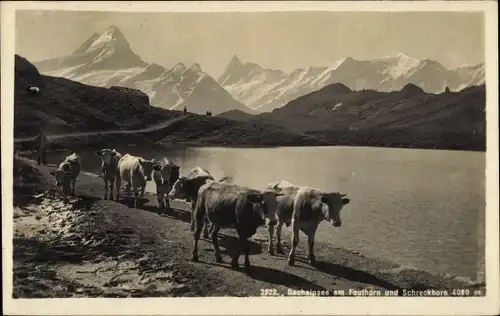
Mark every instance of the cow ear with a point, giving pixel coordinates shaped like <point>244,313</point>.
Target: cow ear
<point>113,153</point>
<point>52,173</point>
<point>157,167</point>
<point>254,198</point>
<point>98,153</point>
<point>345,201</point>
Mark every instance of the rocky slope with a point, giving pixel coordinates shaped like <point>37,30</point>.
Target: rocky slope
<point>107,59</point>
<point>267,89</point>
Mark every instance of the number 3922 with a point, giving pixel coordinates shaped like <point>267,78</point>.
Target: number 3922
<point>269,292</point>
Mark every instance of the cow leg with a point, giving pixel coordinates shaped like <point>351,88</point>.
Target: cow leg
<point>246,248</point>
<point>167,203</point>
<point>128,187</point>
<point>105,189</point>
<point>44,157</point>
<point>215,241</point>
<point>310,241</point>
<point>270,246</point>
<point>111,189</point>
<point>118,180</point>
<point>279,249</point>
<point>206,223</point>
<point>135,189</point>
<point>73,188</point>
<point>295,242</point>
<point>193,207</point>
<point>159,196</point>
<point>197,233</point>
<point>234,262</point>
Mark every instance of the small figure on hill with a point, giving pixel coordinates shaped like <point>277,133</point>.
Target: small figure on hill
<point>209,113</point>
<point>185,110</point>
<point>447,90</point>
<point>41,147</point>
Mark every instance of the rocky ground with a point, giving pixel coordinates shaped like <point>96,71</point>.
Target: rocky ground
<point>84,246</point>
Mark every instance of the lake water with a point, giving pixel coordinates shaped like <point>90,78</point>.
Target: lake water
<point>419,208</point>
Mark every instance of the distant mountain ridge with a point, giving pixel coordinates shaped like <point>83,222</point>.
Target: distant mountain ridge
<point>107,59</point>
<point>266,89</point>
<point>409,117</point>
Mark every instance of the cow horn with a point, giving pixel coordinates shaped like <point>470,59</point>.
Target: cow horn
<point>343,194</point>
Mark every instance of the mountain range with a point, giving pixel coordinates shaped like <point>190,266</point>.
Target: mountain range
<point>409,117</point>
<point>107,59</point>
<point>266,89</point>
<point>101,116</point>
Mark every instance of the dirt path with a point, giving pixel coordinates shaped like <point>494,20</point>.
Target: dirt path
<point>86,246</point>
<point>148,129</point>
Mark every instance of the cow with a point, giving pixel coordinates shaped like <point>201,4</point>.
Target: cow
<point>135,171</point>
<point>109,168</point>
<point>304,208</point>
<point>229,205</point>
<point>186,188</point>
<point>165,174</point>
<point>67,172</point>
<point>34,90</point>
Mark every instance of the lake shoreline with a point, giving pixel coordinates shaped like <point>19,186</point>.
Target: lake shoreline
<point>103,140</point>
<point>59,247</point>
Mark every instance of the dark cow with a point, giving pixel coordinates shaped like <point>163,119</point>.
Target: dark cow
<point>231,206</point>
<point>186,188</point>
<point>165,174</point>
<point>304,208</point>
<point>109,168</point>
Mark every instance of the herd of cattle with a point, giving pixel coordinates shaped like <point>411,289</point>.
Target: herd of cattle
<point>216,203</point>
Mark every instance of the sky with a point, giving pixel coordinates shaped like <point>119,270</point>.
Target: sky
<point>276,40</point>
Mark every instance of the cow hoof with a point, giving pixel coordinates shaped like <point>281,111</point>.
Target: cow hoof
<point>247,268</point>
<point>291,262</point>
<point>312,261</point>
<point>219,259</point>
<point>271,251</point>
<point>234,264</point>
<point>206,236</point>
<point>195,259</point>
<point>280,251</point>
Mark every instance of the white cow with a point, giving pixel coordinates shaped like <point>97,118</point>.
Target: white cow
<point>109,168</point>
<point>165,174</point>
<point>304,208</point>
<point>67,172</point>
<point>135,171</point>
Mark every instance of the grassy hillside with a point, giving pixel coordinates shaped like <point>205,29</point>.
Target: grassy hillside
<point>406,118</point>
<point>65,106</point>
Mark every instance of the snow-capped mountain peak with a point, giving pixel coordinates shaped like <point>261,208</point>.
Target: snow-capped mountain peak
<point>264,91</point>
<point>107,59</point>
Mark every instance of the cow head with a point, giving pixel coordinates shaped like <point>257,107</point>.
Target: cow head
<point>60,176</point>
<point>179,189</point>
<point>147,167</point>
<point>106,155</point>
<point>166,173</point>
<point>266,203</point>
<point>332,204</point>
